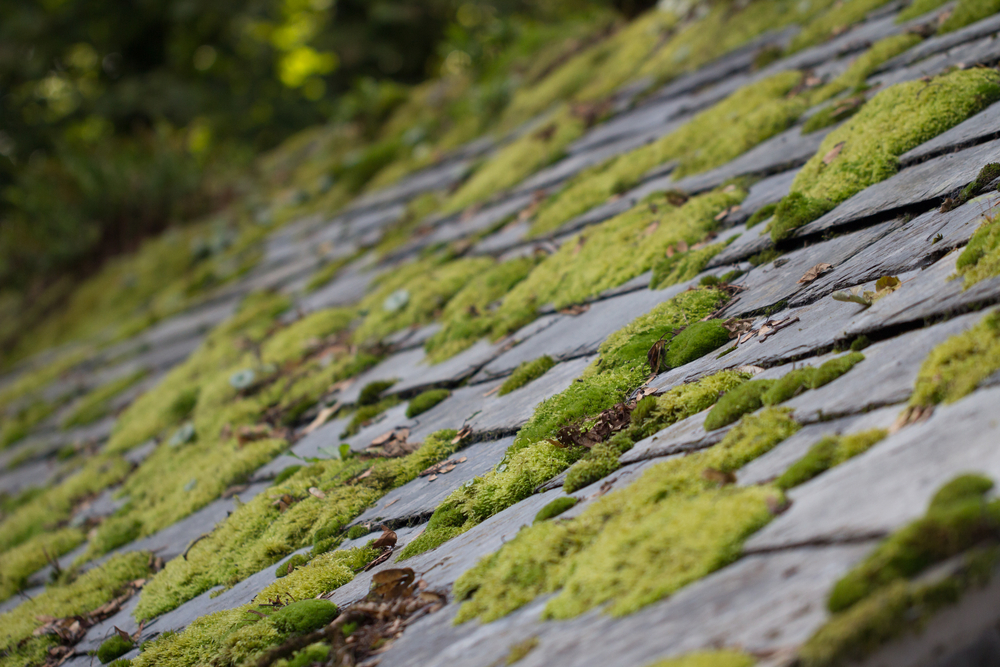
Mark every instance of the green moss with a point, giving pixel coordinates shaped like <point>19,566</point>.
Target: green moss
<point>634,546</point>
<point>918,8</point>
<point>298,339</point>
<point>116,531</point>
<point>304,616</point>
<point>967,12</point>
<point>371,394</point>
<point>827,453</point>
<point>789,385</point>
<point>114,647</point>
<point>834,368</point>
<point>286,474</point>
<point>695,341</point>
<point>555,508</point>
<point>20,562</point>
<point>601,462</point>
<point>354,532</point>
<point>424,401</point>
<point>873,139</point>
<point>412,294</point>
<point>955,367</point>
<point>520,650</point>
<point>729,128</point>
<point>682,266</point>
<point>298,560</point>
<point>708,659</point>
<point>121,663</point>
<point>738,402</point>
<point>839,111</point>
<point>94,405</point>
<point>18,425</point>
<point>527,371</point>
<point>309,655</point>
<point>88,592</point>
<point>762,214</point>
<point>327,272</point>
<point>258,534</point>
<point>367,413</point>
<point>981,257</point>
<point>832,22</point>
<point>466,317</point>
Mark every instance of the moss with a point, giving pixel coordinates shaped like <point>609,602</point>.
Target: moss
<point>90,590</point>
<point>411,295</point>
<point>20,424</point>
<point>835,113</point>
<point>20,562</point>
<point>424,401</point>
<point>827,453</point>
<point>957,521</point>
<point>121,663</point>
<point>298,560</point>
<point>830,23</point>
<point>520,650</point>
<point>918,8</point>
<point>682,266</point>
<point>729,128</point>
<point>555,508</point>
<point>304,616</point>
<point>257,534</point>
<point>309,655</point>
<point>871,142</point>
<point>695,341</point>
<point>94,405</point>
<point>834,368</point>
<point>286,474</point>
<point>296,340</point>
<point>634,546</point>
<point>601,462</point>
<point>466,317</point>
<point>708,659</point>
<point>115,532</point>
<point>366,414</point>
<point>355,532</point>
<point>981,257</point>
<point>955,367</point>
<point>371,394</point>
<point>788,386</point>
<point>114,647</point>
<point>762,214</point>
<point>967,12</point>
<point>738,402</point>
<point>526,372</point>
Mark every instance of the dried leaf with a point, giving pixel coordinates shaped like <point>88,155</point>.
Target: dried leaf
<point>386,540</point>
<point>651,229</point>
<point>887,284</point>
<point>832,154</point>
<point>814,273</point>
<point>313,491</point>
<point>719,477</point>
<point>322,418</point>
<point>737,327</point>
<point>245,434</point>
<point>432,478</point>
<point>390,503</point>
<point>682,246</point>
<point>575,309</point>
<point>462,434</point>
<point>777,505</point>
<point>655,356</point>
<point>580,241</point>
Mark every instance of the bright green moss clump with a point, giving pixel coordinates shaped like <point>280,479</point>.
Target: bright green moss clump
<point>955,368</point>
<point>20,562</point>
<point>424,401</point>
<point>526,372</point>
<point>894,121</point>
<point>298,560</point>
<point>981,258</point>
<point>634,546</point>
<point>682,266</point>
<point>304,616</point>
<point>731,127</point>
<point>880,599</point>
<point>829,452</point>
<point>555,508</point>
<point>738,402</point>
<point>114,647</point>
<point>695,341</point>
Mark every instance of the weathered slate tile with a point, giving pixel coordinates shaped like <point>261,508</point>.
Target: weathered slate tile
<point>891,484</point>
<point>885,377</point>
<point>416,500</point>
<point>348,287</point>
<point>910,246</point>
<point>984,126</point>
<point>982,52</point>
<point>326,436</point>
<point>411,338</point>
<point>385,422</point>
<point>396,366</point>
<point>926,295</point>
<point>509,236</point>
<point>191,323</point>
<point>941,43</point>
<point>438,177</point>
<point>777,461</point>
<point>777,281</point>
<point>684,436</point>
<point>924,182</point>
<point>451,371</point>
<point>458,226</point>
<point>766,191</point>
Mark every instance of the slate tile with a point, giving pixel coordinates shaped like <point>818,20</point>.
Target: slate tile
<point>890,484</point>
<point>940,43</point>
<point>769,190</point>
<point>326,436</point>
<point>984,126</point>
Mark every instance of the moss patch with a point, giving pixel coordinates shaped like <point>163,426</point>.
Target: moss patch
<point>981,258</point>
<point>424,401</point>
<point>526,372</point>
<point>872,141</point>
<point>695,341</point>
<point>20,562</point>
<point>634,546</point>
<point>955,368</point>
<point>967,12</point>
<point>555,508</point>
<point>708,659</point>
<point>94,405</point>
<point>829,452</point>
<point>114,647</point>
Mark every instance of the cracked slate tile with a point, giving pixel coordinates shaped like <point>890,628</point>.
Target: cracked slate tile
<point>890,485</point>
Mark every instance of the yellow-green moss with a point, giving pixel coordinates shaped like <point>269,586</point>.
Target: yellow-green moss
<point>19,424</point>
<point>257,534</point>
<point>611,253</point>
<point>467,316</point>
<point>412,294</point>
<point>829,452</point>
<point>94,405</point>
<point>744,119</point>
<point>636,545</point>
<point>682,266</point>
<point>87,593</point>
<point>955,367</point>
<point>918,8</point>
<point>894,121</point>
<point>708,659</point>
<point>555,508</point>
<point>833,21</point>
<point>694,342</point>
<point>114,647</point>
<point>20,562</point>
<point>424,401</point>
<point>981,257</point>
<point>520,650</point>
<point>526,372</point>
<point>296,340</point>
<point>366,413</point>
<point>967,12</point>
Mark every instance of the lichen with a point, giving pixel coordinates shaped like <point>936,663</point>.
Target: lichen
<point>828,452</point>
<point>633,546</point>
<point>526,372</point>
<point>424,401</point>
<point>865,150</point>
<point>955,367</point>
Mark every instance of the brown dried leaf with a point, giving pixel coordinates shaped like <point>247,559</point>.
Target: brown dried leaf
<point>737,327</point>
<point>245,434</point>
<point>313,491</point>
<point>462,434</point>
<point>655,356</point>
<point>718,476</point>
<point>432,478</point>
<point>682,246</point>
<point>651,228</point>
<point>832,154</point>
<point>322,418</point>
<point>391,503</point>
<point>814,273</point>
<point>777,505</point>
<point>386,540</point>
<point>575,309</point>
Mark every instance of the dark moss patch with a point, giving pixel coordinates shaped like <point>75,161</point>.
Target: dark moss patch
<point>555,508</point>
<point>695,342</point>
<point>304,616</point>
<point>114,647</point>
<point>527,372</point>
<point>354,532</point>
<point>423,402</point>
<point>827,453</point>
<point>372,392</point>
